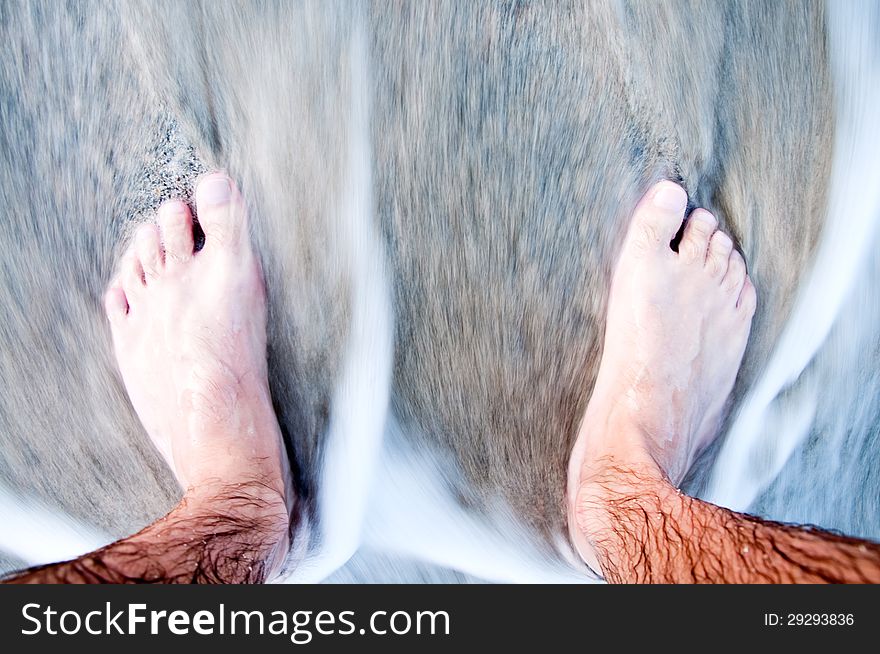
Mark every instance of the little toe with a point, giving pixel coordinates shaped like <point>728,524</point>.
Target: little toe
<point>175,222</point>
<point>694,244</point>
<point>735,276</point>
<point>720,247</point>
<point>149,251</point>
<point>658,216</point>
<point>748,299</point>
<point>221,211</point>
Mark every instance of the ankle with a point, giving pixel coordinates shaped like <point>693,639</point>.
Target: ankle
<point>611,463</point>
<point>258,509</point>
<point>243,497</point>
<point>613,440</point>
<point>608,486</point>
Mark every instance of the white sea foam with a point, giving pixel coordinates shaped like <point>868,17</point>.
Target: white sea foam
<point>360,401</point>
<point>767,430</point>
<point>38,534</point>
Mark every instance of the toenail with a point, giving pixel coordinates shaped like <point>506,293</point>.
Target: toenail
<point>723,241</point>
<point>702,224</point>
<point>173,207</point>
<point>670,197</point>
<point>215,190</point>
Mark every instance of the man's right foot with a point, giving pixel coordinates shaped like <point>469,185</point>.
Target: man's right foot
<point>675,334</point>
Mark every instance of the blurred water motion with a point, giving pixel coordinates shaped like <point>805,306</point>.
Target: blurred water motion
<point>438,193</point>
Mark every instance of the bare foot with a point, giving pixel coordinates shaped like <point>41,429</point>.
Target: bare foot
<point>189,331</point>
<point>675,334</point>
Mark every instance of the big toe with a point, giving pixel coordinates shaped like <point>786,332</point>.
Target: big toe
<point>658,216</point>
<point>221,211</point>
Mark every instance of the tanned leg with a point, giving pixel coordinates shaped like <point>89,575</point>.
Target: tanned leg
<point>189,331</point>
<point>676,331</point>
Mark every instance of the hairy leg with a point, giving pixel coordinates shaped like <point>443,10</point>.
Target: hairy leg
<point>224,533</point>
<point>676,331</point>
<point>643,530</point>
<point>189,331</point>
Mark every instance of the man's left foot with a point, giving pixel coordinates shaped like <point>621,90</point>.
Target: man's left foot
<point>189,331</point>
